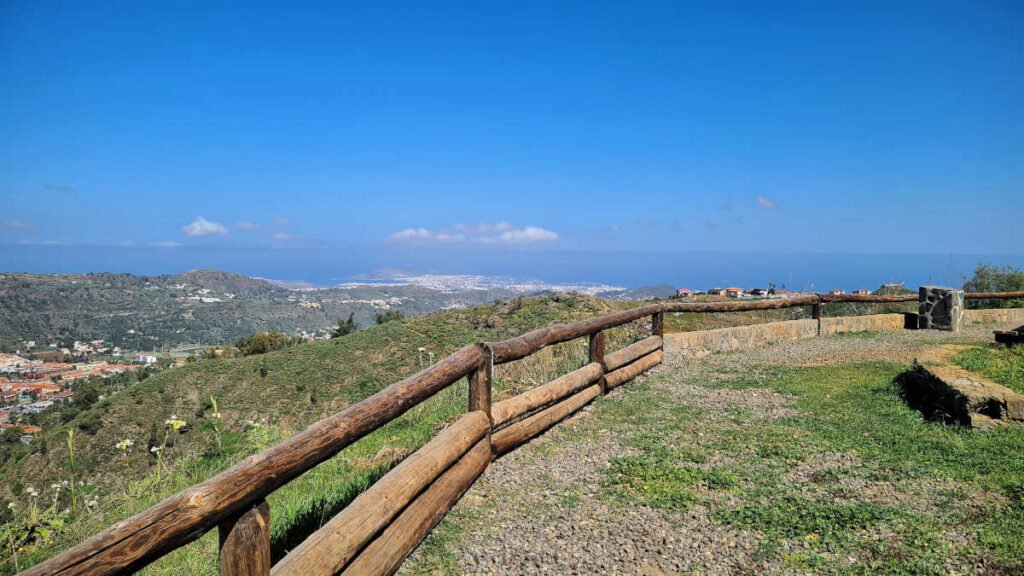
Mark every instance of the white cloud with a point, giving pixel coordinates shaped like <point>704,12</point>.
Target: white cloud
<point>411,235</point>
<point>18,225</point>
<point>283,236</point>
<point>500,233</point>
<point>247,226</point>
<point>281,222</point>
<point>43,243</point>
<point>165,244</point>
<point>615,228</point>
<point>527,235</point>
<point>765,203</point>
<point>203,227</point>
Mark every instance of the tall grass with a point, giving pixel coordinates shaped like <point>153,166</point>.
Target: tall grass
<point>376,357</point>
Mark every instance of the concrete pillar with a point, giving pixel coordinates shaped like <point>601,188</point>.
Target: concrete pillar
<point>940,308</point>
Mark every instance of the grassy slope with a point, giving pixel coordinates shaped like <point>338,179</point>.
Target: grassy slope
<point>1002,364</point>
<point>289,389</point>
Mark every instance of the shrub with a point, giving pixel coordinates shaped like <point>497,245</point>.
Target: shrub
<point>90,423</point>
<point>390,315</point>
<point>345,327</point>
<point>263,342</point>
<point>990,278</point>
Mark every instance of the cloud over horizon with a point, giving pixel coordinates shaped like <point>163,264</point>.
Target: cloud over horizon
<point>18,225</point>
<point>500,233</point>
<point>203,227</point>
<point>59,188</point>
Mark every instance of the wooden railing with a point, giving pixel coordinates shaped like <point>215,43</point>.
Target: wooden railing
<point>384,524</point>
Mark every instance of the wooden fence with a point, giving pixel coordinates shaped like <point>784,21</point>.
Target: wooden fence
<point>384,524</point>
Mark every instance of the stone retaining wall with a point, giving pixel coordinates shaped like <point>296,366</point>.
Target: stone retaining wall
<point>994,316</point>
<point>871,323</point>
<point>704,342</point>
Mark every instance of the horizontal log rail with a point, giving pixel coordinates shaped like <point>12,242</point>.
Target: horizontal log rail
<point>184,517</point>
<point>992,295</point>
<point>331,547</point>
<point>510,437</point>
<point>512,408</point>
<point>374,533</point>
<point>634,369</point>
<point>620,358</point>
<point>385,554</point>
<point>870,298</point>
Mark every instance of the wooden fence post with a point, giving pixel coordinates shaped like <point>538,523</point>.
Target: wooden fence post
<point>480,384</point>
<point>597,355</point>
<point>245,543</point>
<point>816,313</point>
<point>658,324</point>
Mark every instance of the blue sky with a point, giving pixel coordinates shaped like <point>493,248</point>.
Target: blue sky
<point>452,134</point>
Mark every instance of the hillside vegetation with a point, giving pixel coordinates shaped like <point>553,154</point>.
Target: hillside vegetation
<point>198,307</point>
<point>263,398</point>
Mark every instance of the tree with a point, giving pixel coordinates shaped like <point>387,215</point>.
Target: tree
<point>991,278</point>
<point>345,327</point>
<point>263,342</point>
<point>389,315</point>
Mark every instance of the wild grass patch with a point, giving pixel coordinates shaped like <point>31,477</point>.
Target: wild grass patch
<point>1004,365</point>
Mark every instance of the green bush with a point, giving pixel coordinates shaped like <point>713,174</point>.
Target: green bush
<point>345,327</point>
<point>90,423</point>
<point>990,278</point>
<point>389,316</point>
<point>263,342</point>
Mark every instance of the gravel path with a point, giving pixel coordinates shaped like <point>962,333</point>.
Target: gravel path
<point>536,512</point>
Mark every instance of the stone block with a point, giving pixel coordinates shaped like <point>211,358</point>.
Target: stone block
<point>940,308</point>
<point>1015,407</point>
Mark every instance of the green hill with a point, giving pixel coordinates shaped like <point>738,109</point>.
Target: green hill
<point>198,307</point>
<point>282,392</point>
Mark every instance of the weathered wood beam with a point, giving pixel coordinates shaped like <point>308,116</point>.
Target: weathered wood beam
<point>595,354</point>
<point>480,384</point>
<point>631,371</point>
<point>132,543</point>
<point>741,305</point>
<point>869,298</point>
<point>521,346</point>
<point>630,353</point>
<point>512,408</point>
<point>385,554</point>
<point>991,295</point>
<point>508,438</point>
<point>245,543</point>
<point>334,545</point>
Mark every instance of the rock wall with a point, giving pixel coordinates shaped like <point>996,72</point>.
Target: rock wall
<point>704,342</point>
<point>871,323</point>
<point>940,308</point>
<point>994,316</point>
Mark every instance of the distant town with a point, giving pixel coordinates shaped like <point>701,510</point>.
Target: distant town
<point>772,292</point>
<point>34,381</point>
